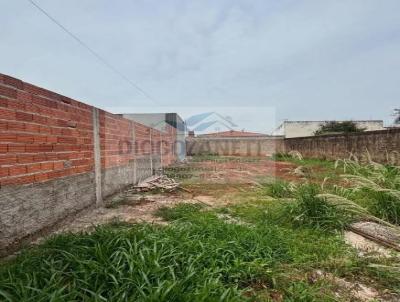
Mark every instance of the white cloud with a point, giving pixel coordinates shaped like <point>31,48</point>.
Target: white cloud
<point>309,59</point>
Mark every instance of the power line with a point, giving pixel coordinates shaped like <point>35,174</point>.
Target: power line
<point>93,52</point>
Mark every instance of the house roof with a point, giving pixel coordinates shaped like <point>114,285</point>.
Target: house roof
<point>232,133</point>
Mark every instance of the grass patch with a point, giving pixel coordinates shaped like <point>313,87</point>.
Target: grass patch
<point>296,158</point>
<point>319,232</point>
<point>183,211</point>
<point>198,257</point>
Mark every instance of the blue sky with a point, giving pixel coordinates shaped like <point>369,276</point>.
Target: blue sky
<point>307,60</point>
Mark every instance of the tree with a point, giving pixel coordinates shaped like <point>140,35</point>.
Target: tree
<point>396,114</point>
<point>338,127</point>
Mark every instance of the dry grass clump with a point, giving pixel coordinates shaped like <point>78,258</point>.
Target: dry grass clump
<point>376,186</point>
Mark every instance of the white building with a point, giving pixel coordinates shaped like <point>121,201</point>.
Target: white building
<point>307,128</point>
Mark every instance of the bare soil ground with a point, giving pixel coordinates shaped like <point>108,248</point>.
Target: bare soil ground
<point>244,171</point>
<point>210,182</point>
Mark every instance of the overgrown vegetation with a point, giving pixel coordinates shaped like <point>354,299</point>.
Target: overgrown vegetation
<point>328,222</point>
<point>258,249</point>
<point>376,186</point>
<point>364,189</point>
<point>199,257</point>
<point>312,209</point>
<point>368,191</point>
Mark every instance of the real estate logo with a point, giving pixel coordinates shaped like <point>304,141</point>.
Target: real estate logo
<point>210,121</point>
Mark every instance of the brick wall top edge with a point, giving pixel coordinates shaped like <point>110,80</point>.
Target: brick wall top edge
<point>18,84</point>
<point>39,91</point>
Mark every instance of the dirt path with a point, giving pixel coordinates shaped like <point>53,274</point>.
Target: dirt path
<point>127,209</point>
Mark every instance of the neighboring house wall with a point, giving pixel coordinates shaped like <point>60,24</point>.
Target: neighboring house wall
<point>59,156</point>
<point>307,128</point>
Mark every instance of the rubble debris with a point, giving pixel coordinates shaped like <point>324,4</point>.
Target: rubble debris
<point>162,183</point>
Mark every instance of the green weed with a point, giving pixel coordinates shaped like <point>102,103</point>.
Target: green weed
<point>313,210</point>
<point>376,186</point>
<point>198,257</point>
<point>278,189</point>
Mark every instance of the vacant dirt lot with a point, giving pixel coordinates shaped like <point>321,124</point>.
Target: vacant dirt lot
<point>210,181</point>
<point>257,222</point>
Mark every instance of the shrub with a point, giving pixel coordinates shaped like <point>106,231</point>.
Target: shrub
<point>311,209</point>
<point>338,127</point>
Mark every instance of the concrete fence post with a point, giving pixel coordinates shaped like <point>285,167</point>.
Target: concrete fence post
<point>97,156</point>
<point>151,151</point>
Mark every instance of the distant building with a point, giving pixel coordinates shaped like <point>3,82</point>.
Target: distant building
<point>307,128</point>
<point>158,121</point>
<point>233,133</point>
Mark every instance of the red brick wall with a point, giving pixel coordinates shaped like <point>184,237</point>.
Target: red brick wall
<point>168,145</point>
<point>161,143</point>
<point>44,135</point>
<point>115,140</point>
<point>121,140</point>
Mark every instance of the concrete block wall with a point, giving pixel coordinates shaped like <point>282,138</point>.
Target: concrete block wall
<point>383,146</point>
<point>59,155</point>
